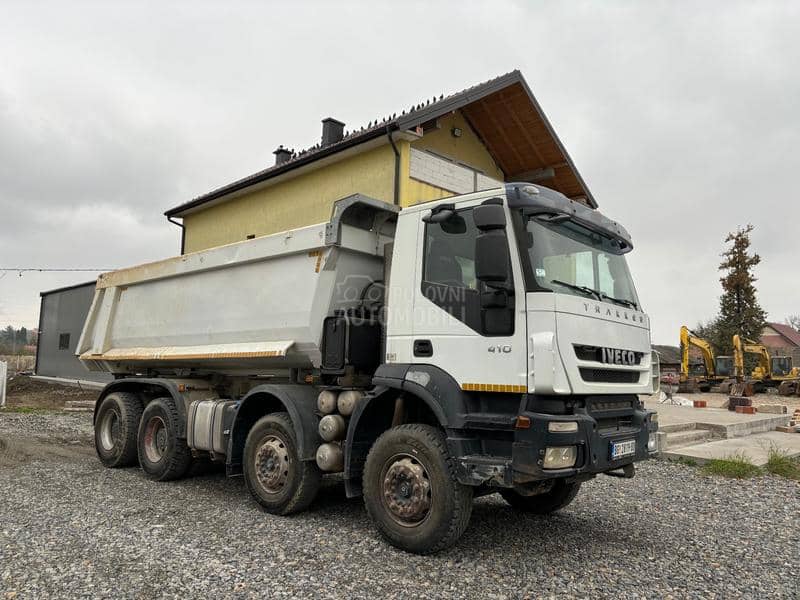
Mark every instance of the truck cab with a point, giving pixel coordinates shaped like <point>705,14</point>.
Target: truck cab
<point>523,312</point>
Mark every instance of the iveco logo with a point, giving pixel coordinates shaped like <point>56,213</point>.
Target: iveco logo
<point>615,356</point>
<point>622,315</point>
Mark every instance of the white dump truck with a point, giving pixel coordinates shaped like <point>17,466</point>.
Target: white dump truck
<point>485,343</point>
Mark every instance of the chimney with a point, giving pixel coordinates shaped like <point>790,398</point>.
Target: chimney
<point>282,155</point>
<point>332,131</point>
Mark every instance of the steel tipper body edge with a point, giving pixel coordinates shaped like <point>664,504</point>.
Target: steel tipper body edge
<point>490,342</point>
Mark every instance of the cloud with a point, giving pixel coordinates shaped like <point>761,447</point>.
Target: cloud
<point>680,116</point>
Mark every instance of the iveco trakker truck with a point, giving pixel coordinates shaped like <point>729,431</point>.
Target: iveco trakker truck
<point>485,343</point>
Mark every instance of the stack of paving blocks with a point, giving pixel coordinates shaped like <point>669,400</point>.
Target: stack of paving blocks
<point>734,402</point>
<point>794,424</point>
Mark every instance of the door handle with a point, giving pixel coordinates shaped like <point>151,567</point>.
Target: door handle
<point>423,348</point>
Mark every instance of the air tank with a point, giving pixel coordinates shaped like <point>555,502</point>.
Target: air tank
<point>326,401</point>
<point>330,458</point>
<point>348,400</point>
<point>332,427</point>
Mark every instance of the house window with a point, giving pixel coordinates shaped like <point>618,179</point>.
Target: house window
<point>63,341</point>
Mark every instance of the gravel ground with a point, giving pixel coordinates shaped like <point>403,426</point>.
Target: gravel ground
<point>70,528</point>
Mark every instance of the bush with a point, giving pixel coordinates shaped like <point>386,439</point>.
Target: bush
<point>737,466</point>
<point>779,463</point>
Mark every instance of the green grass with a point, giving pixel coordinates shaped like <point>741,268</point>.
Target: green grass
<point>778,463</point>
<point>736,466</point>
<point>689,462</point>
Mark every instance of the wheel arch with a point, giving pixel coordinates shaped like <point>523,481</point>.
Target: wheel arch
<point>383,408</point>
<point>147,389</point>
<point>298,400</point>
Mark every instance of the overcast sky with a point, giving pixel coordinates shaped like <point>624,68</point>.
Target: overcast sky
<point>682,118</point>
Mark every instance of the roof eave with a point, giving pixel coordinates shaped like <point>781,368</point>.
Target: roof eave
<point>280,170</point>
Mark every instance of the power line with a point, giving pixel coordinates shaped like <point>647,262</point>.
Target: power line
<point>26,269</point>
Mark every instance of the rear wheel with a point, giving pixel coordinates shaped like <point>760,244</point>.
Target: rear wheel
<point>115,428</point>
<point>163,456</point>
<point>559,496</point>
<point>411,492</point>
<point>276,477</point>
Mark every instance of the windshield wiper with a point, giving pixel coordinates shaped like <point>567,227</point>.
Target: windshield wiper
<point>581,288</point>
<point>623,301</point>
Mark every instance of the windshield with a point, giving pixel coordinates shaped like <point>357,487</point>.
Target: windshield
<point>569,258</point>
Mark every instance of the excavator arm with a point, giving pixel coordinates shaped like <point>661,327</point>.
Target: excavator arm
<point>688,338</point>
<point>744,346</point>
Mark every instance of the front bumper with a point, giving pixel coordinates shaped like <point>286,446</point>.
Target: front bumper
<point>592,439</point>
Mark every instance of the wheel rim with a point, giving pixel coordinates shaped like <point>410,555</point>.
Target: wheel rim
<point>406,490</point>
<point>272,464</point>
<point>155,439</point>
<point>109,430</point>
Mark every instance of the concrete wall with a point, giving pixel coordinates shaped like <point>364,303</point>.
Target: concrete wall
<point>63,313</point>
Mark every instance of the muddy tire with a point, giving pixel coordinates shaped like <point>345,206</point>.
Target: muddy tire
<point>116,426</point>
<point>543,504</point>
<point>163,456</point>
<point>276,477</point>
<point>411,492</point>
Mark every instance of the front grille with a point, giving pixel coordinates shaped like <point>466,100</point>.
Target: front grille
<point>606,405</point>
<point>608,424</point>
<point>595,354</point>
<point>609,376</point>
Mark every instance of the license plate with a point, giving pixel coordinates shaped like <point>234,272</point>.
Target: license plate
<point>622,449</point>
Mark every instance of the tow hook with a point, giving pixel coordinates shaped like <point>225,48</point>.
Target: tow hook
<point>627,472</point>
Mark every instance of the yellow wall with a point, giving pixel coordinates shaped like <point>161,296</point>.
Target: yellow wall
<point>298,202</point>
<point>467,149</point>
<point>308,198</point>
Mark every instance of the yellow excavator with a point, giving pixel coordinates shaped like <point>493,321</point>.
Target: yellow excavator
<point>717,369</point>
<point>770,371</point>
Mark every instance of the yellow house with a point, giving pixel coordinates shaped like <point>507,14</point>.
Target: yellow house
<point>472,140</point>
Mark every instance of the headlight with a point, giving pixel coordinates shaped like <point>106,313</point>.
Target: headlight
<point>560,457</point>
<point>562,426</point>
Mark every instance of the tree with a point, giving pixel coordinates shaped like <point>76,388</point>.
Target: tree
<point>793,321</point>
<point>739,310</point>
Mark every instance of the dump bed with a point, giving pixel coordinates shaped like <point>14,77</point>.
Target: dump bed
<point>252,306</point>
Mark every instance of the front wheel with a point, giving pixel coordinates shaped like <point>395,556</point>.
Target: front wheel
<point>559,496</point>
<point>411,492</point>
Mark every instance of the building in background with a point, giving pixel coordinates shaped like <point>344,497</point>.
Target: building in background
<point>669,358</point>
<point>473,140</point>
<point>61,316</point>
<point>782,340</point>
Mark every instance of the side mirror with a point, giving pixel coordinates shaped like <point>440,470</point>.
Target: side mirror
<point>491,256</point>
<point>446,216</point>
<point>489,217</point>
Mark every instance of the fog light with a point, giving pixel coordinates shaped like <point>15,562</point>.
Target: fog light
<point>560,457</point>
<point>652,442</point>
<point>562,426</point>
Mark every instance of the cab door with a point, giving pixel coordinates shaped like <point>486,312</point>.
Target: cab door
<point>474,331</point>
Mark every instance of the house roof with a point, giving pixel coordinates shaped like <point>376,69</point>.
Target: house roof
<point>502,111</point>
<point>668,354</point>
<point>787,336</point>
